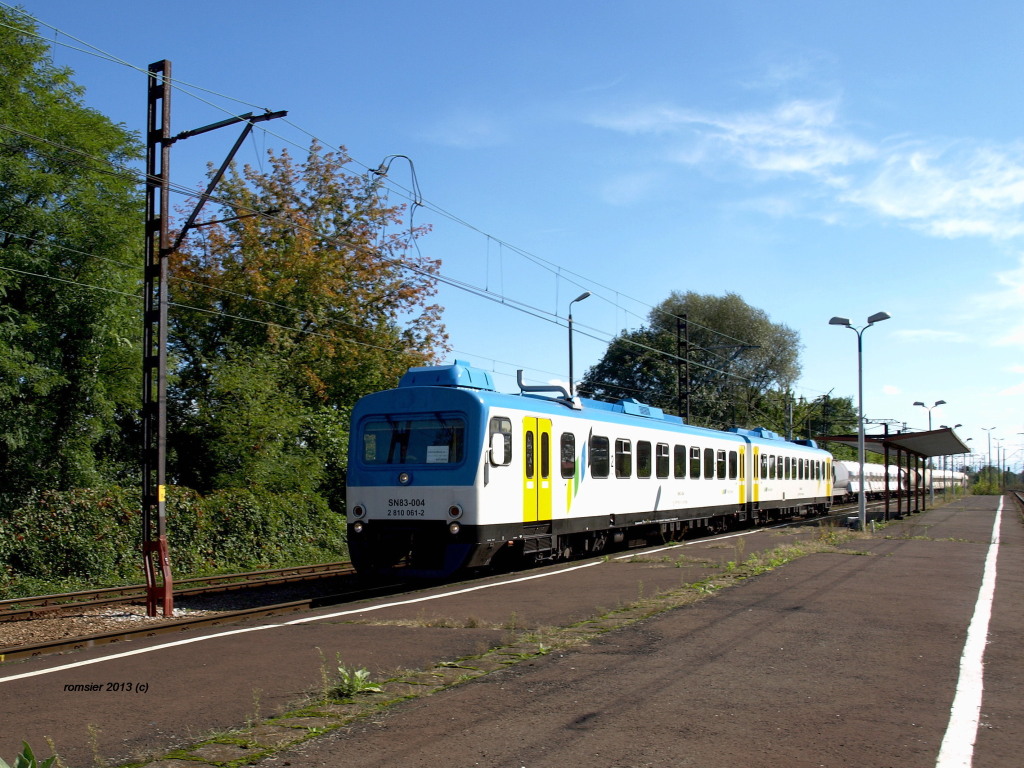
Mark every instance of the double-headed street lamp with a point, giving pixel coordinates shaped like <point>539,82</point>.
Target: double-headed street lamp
<point>581,297</point>
<point>929,409</point>
<point>946,480</point>
<point>931,464</point>
<point>989,430</point>
<point>862,512</point>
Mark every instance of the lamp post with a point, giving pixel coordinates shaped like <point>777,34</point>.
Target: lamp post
<point>989,430</point>
<point>931,463</point>
<point>581,297</point>
<point>999,463</point>
<point>862,512</point>
<point>929,409</point>
<point>947,479</point>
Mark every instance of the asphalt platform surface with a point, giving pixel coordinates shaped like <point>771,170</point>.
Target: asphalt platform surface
<point>846,658</point>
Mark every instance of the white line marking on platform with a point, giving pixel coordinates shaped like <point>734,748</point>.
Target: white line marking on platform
<point>306,620</point>
<point>957,750</point>
<point>643,552</point>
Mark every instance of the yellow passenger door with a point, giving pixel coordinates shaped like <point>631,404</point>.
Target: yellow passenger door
<point>536,469</point>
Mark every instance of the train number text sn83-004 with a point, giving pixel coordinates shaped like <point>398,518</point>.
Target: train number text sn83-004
<point>406,508</point>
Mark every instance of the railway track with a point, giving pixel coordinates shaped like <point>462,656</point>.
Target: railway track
<point>25,608</point>
<point>46,605</point>
<point>168,626</point>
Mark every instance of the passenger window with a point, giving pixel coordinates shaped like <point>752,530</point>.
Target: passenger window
<point>764,466</point>
<point>623,458</point>
<point>771,467</point>
<point>643,459</point>
<point>501,426</point>
<point>721,464</point>
<point>661,464</point>
<point>695,463</point>
<point>599,463</point>
<point>709,463</point>
<point>733,465</point>
<point>568,454</point>
<point>680,461</point>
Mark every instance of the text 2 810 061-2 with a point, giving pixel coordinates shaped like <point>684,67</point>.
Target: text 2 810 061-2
<point>406,508</point>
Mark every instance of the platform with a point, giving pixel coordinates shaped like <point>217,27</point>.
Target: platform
<point>850,657</point>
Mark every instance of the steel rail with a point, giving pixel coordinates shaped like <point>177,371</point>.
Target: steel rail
<point>67,644</point>
<point>35,607</point>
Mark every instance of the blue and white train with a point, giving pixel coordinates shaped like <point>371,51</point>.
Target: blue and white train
<point>446,473</point>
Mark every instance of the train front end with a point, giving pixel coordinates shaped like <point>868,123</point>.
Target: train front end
<point>415,454</point>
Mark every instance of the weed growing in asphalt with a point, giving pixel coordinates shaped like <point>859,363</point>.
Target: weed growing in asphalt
<point>741,547</point>
<point>26,759</point>
<point>351,682</point>
<point>256,714</point>
<point>94,743</point>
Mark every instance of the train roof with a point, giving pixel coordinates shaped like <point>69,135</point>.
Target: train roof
<point>463,376</point>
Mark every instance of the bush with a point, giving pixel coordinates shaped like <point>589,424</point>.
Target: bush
<point>82,534</point>
<point>92,537</point>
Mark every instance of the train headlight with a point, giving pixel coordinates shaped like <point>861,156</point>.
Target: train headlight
<point>454,511</point>
<point>358,526</point>
<point>358,511</point>
<point>454,528</point>
<point>404,478</point>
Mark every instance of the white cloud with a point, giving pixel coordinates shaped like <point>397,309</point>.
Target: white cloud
<point>891,389</point>
<point>1012,337</point>
<point>949,191</point>
<point>1014,391</point>
<point>994,309</point>
<point>796,137</point>
<point>945,189</point>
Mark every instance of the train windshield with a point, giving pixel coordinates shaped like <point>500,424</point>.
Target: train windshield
<point>414,440</point>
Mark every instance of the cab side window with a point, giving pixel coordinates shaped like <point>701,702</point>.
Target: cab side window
<point>501,426</point>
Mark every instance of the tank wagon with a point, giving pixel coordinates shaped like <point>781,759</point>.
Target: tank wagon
<point>446,473</point>
<point>847,484</point>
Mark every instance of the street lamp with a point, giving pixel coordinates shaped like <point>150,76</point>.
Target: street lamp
<point>581,297</point>
<point>989,430</point>
<point>931,463</point>
<point>999,463</point>
<point>862,512</point>
<point>929,409</point>
<point>947,479</point>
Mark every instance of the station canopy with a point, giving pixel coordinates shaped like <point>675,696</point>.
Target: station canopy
<point>936,442</point>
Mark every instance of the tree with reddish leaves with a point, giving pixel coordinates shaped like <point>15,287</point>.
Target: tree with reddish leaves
<point>309,293</point>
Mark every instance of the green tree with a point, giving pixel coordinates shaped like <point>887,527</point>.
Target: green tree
<point>308,297</point>
<point>737,359</point>
<point>70,235</point>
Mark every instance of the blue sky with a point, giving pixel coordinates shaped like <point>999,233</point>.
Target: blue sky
<point>818,159</point>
